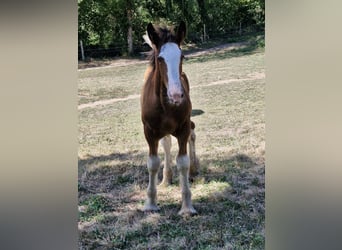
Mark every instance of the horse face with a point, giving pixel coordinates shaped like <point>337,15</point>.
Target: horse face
<point>170,60</point>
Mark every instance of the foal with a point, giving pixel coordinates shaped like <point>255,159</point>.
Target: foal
<point>165,111</point>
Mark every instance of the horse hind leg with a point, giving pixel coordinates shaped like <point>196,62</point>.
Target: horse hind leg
<point>167,172</point>
<point>194,161</point>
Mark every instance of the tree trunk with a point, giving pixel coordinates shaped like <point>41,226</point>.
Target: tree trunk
<point>130,40</point>
<point>204,17</point>
<point>130,29</point>
<point>168,6</point>
<point>203,11</point>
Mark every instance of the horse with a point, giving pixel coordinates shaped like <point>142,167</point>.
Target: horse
<point>165,110</point>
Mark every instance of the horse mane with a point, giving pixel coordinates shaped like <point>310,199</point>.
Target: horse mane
<point>166,34</point>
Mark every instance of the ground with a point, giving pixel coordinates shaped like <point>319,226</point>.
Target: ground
<point>129,61</point>
<point>228,96</point>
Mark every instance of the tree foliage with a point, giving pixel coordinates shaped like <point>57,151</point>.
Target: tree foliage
<point>106,23</point>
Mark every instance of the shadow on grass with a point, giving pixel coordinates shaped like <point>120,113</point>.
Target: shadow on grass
<point>105,173</point>
<point>89,159</point>
<point>228,195</point>
<point>196,112</point>
<point>243,178</point>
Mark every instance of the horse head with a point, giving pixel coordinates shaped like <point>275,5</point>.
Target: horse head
<point>168,59</point>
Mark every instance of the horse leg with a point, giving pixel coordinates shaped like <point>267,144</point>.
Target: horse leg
<point>194,162</point>
<point>167,172</point>
<point>153,164</point>
<point>183,166</point>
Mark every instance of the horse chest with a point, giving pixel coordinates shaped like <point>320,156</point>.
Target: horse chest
<point>164,123</point>
<point>169,124</point>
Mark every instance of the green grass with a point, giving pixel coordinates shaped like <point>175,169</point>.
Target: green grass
<point>228,96</point>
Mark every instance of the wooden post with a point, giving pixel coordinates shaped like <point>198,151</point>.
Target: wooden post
<point>204,34</point>
<point>82,51</point>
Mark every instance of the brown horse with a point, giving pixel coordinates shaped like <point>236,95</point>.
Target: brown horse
<point>166,110</point>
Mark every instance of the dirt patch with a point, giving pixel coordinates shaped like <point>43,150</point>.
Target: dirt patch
<point>108,63</point>
<point>218,49</point>
<point>106,102</point>
<point>93,64</point>
<point>253,76</point>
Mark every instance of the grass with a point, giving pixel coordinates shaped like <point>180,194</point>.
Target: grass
<point>228,99</point>
<point>251,38</point>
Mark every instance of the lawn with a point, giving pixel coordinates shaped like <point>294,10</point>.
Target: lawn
<point>228,96</point>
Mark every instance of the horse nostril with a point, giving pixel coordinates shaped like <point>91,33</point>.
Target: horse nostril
<point>177,98</point>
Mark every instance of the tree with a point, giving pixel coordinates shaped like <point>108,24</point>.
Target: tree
<point>129,11</point>
<point>120,24</point>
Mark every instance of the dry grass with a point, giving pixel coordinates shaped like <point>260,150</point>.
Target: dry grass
<point>229,107</point>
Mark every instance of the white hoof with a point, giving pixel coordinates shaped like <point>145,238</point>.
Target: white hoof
<point>187,211</point>
<point>151,208</point>
<point>165,183</point>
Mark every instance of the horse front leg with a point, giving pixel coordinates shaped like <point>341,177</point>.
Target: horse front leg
<point>153,163</point>
<point>183,166</point>
<point>167,172</point>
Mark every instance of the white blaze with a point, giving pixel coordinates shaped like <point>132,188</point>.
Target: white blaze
<point>171,54</point>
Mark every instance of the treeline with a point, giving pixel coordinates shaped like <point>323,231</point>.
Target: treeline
<point>117,26</point>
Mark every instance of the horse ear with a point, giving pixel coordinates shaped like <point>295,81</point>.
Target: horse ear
<point>181,32</point>
<point>152,34</point>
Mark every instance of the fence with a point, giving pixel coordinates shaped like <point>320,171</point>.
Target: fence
<point>199,37</point>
